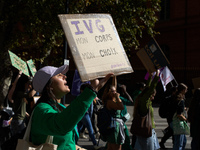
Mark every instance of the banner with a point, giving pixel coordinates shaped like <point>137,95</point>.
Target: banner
<point>95,45</point>
<point>152,56</point>
<point>31,67</point>
<point>166,76</point>
<point>18,63</point>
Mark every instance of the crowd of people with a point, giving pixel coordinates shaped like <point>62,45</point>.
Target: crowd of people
<point>67,124</point>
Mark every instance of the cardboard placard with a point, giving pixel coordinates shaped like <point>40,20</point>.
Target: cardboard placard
<point>31,67</point>
<point>18,63</point>
<point>146,61</point>
<point>152,56</point>
<point>196,82</point>
<point>95,45</point>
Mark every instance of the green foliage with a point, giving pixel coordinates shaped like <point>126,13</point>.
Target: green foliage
<point>36,31</point>
<point>131,17</point>
<point>33,30</point>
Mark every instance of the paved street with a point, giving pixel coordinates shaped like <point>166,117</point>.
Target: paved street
<point>161,124</point>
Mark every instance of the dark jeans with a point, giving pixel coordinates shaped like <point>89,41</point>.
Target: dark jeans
<point>168,133</point>
<point>179,142</point>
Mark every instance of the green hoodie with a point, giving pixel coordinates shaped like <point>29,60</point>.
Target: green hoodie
<point>47,121</point>
<point>145,103</point>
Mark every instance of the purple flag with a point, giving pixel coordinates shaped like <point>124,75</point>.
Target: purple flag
<point>76,84</point>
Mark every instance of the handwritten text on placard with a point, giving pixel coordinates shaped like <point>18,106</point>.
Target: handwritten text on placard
<point>97,32</point>
<point>95,45</point>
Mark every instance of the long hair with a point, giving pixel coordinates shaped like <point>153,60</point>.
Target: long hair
<point>48,97</point>
<point>180,88</point>
<point>106,96</point>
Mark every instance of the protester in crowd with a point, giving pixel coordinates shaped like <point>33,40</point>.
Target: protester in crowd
<point>30,100</point>
<point>82,131</point>
<point>93,119</point>
<point>5,121</point>
<point>20,95</point>
<point>86,120</point>
<point>13,86</point>
<point>142,105</point>
<point>6,118</point>
<point>114,104</point>
<point>168,132</point>
<point>194,119</point>
<point>52,118</point>
<point>180,140</point>
<point>139,88</point>
<point>126,100</point>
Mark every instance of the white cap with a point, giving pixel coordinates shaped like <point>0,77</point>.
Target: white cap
<point>43,75</point>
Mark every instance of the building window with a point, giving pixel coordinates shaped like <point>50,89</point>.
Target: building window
<point>165,10</point>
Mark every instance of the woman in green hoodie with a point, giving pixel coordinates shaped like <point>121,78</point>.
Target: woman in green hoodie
<point>142,105</point>
<point>52,118</point>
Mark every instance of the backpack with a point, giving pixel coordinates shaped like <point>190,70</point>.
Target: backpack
<point>164,110</point>
<point>5,132</point>
<point>105,122</point>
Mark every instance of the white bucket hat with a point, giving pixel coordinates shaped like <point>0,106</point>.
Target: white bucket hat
<point>43,75</point>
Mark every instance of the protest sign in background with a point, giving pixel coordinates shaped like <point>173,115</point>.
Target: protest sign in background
<point>31,67</point>
<point>196,82</point>
<point>152,56</point>
<point>95,45</point>
<point>18,63</point>
<point>146,61</point>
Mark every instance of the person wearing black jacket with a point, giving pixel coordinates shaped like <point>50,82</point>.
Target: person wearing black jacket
<point>168,132</point>
<point>194,119</point>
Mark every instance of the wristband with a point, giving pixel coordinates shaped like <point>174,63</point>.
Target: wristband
<point>91,88</point>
